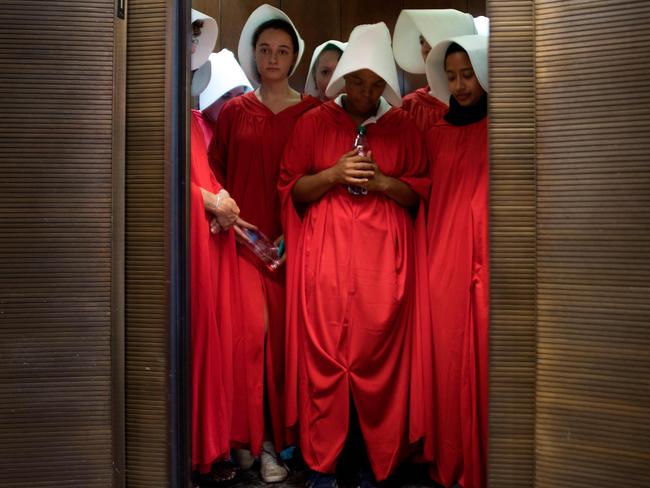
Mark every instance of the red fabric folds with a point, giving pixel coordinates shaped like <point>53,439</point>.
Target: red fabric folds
<point>459,286</point>
<point>425,109</point>
<point>207,127</point>
<point>358,323</point>
<point>245,155</point>
<point>214,313</point>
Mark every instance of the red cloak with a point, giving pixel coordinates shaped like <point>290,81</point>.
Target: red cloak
<point>245,154</point>
<point>207,127</point>
<point>213,314</point>
<point>358,323</point>
<point>425,109</point>
<point>459,283</point>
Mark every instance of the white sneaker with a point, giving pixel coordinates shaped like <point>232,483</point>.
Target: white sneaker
<point>243,458</point>
<point>271,469</point>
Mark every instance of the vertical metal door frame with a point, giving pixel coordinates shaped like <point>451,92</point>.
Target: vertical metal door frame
<point>177,181</point>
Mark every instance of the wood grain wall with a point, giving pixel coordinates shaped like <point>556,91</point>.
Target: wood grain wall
<point>147,246</point>
<point>512,244</point>
<point>593,243</point>
<point>61,156</point>
<point>157,420</point>
<point>321,20</point>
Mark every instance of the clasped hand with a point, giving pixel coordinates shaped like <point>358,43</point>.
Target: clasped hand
<point>223,208</point>
<point>352,169</point>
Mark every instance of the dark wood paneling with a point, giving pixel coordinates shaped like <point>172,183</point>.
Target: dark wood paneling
<point>368,12</point>
<point>457,4</point>
<point>411,82</point>
<point>593,128</point>
<point>57,310</point>
<point>327,19</point>
<point>476,7</point>
<point>317,22</point>
<point>512,242</point>
<point>147,314</point>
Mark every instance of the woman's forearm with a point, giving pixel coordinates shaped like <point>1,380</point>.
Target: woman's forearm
<point>399,191</point>
<point>212,201</point>
<point>310,188</point>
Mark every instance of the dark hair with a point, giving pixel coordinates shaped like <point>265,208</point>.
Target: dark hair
<point>328,47</point>
<point>453,48</point>
<point>197,25</point>
<point>279,24</point>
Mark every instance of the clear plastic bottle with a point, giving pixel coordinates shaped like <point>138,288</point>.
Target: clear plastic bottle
<point>261,246</point>
<point>362,147</point>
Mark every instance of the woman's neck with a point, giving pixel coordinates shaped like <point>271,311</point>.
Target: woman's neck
<point>277,95</point>
<point>459,115</point>
<point>357,117</point>
<point>275,89</point>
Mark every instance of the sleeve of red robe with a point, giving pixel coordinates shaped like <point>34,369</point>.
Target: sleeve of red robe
<point>459,272</point>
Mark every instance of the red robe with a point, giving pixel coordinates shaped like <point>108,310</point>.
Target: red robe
<point>425,109</point>
<point>245,154</point>
<point>459,282</point>
<point>358,323</point>
<point>214,310</point>
<point>207,127</point>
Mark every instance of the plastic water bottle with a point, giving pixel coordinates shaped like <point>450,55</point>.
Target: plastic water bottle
<point>261,246</point>
<point>362,148</point>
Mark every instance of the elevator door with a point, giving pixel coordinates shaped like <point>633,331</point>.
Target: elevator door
<point>61,154</point>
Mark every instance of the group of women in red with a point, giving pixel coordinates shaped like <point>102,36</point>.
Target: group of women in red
<point>378,314</point>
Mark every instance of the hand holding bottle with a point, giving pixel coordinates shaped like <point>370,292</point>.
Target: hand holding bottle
<point>378,182</point>
<point>240,225</point>
<point>362,149</point>
<point>252,238</point>
<point>352,169</point>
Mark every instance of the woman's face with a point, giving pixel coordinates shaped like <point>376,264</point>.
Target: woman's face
<point>324,69</point>
<point>197,25</point>
<point>461,80</point>
<point>425,48</point>
<point>274,55</point>
<point>363,89</point>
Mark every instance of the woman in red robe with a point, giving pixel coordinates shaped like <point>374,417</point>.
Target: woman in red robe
<point>423,108</point>
<point>357,268</point>
<point>458,260</point>
<point>214,308</point>
<point>415,32</point>
<point>227,80</point>
<point>245,154</point>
